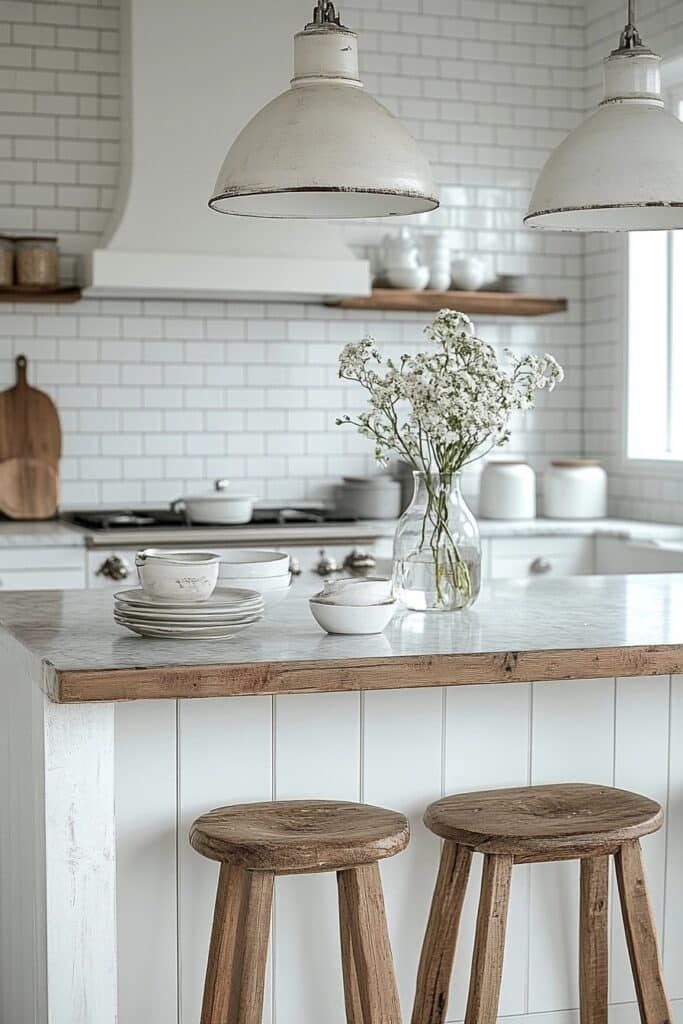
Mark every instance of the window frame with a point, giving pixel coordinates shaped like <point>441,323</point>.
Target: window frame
<point>654,466</point>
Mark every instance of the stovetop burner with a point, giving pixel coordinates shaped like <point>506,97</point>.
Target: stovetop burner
<point>135,519</point>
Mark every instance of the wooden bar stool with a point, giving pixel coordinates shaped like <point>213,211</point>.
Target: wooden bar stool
<point>533,824</point>
<point>256,842</point>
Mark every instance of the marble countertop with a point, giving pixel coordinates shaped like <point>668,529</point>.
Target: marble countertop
<point>40,534</point>
<point>55,532</point>
<point>522,630</point>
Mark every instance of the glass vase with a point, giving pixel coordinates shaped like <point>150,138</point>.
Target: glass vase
<point>437,549</point>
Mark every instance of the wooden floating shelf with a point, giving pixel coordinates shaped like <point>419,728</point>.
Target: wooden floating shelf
<point>480,303</point>
<point>56,295</point>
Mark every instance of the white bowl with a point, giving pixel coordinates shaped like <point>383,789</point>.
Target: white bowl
<point>181,576</point>
<point>273,597</point>
<point>263,584</point>
<point>353,620</point>
<point>245,563</point>
<point>365,590</point>
<point>408,277</point>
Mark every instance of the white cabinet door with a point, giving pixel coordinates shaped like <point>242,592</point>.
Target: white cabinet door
<point>540,556</point>
<point>42,568</point>
<point>617,555</point>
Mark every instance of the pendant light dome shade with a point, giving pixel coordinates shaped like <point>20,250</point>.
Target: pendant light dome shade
<point>622,168</point>
<point>324,148</point>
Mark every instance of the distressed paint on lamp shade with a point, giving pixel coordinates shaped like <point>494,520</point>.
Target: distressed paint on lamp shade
<point>324,148</point>
<point>620,169</point>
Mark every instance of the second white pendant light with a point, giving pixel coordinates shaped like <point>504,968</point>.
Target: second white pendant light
<point>622,168</point>
<point>324,148</point>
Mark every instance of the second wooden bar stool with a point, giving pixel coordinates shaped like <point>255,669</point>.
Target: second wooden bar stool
<point>534,824</point>
<point>256,842</point>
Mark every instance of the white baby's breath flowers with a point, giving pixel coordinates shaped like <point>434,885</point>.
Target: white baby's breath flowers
<point>445,407</point>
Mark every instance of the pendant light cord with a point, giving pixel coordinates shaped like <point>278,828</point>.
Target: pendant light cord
<point>630,37</point>
<point>324,13</point>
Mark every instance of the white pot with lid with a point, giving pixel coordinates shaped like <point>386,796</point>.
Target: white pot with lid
<point>507,490</point>
<point>220,507</point>
<point>575,489</point>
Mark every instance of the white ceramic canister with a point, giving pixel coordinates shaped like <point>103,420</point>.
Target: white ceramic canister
<point>507,490</point>
<point>575,489</point>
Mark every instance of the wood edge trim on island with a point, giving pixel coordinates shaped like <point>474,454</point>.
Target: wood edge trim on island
<point>268,678</point>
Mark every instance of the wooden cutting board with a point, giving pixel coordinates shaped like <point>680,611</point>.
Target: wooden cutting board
<point>29,422</point>
<point>29,488</point>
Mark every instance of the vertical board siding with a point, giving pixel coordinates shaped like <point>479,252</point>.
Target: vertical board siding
<point>486,746</point>
<point>641,763</point>
<point>224,757</point>
<point>401,749</point>
<point>673,917</point>
<point>572,741</point>
<point>402,769</point>
<point>80,876</point>
<point>317,754</point>
<point>146,898</point>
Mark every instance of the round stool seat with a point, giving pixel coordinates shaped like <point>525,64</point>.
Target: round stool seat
<point>297,836</point>
<point>541,820</point>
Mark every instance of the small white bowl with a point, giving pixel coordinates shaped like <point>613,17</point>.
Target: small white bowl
<point>183,576</point>
<point>246,563</point>
<point>408,277</point>
<point>353,620</point>
<point>357,590</point>
<point>263,584</point>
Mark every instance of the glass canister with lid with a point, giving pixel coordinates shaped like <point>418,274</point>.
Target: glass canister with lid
<point>575,489</point>
<point>37,261</point>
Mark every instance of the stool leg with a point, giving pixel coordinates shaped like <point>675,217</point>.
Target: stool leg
<point>368,966</point>
<point>438,948</point>
<point>489,940</point>
<point>235,973</point>
<point>593,940</point>
<point>641,937</point>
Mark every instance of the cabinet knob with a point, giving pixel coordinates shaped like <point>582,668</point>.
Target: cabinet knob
<point>540,566</point>
<point>113,568</point>
<point>325,565</point>
<point>360,562</point>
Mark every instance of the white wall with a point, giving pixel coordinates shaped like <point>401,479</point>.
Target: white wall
<point>158,397</point>
<point>656,494</point>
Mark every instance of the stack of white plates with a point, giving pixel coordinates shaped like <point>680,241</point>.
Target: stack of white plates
<point>228,611</point>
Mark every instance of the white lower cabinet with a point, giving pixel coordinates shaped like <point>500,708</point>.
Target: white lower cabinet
<point>514,557</point>
<point>618,555</point>
<point>42,568</point>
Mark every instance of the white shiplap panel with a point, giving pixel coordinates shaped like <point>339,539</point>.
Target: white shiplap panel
<point>641,763</point>
<point>224,757</point>
<point>402,768</point>
<point>572,741</point>
<point>146,911</point>
<point>487,747</point>
<point>317,755</point>
<point>80,862</point>
<point>673,915</point>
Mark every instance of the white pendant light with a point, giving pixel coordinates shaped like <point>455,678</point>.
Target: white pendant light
<point>622,168</point>
<point>324,148</point>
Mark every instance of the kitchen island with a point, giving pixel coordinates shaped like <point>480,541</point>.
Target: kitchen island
<point>112,745</point>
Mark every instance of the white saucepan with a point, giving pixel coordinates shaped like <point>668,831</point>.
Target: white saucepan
<point>220,506</point>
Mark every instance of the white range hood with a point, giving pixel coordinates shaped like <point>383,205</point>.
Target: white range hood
<point>192,76</point>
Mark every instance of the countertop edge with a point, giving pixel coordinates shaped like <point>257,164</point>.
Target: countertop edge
<point>335,676</point>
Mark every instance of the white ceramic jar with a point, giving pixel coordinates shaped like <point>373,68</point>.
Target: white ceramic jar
<point>507,490</point>
<point>575,489</point>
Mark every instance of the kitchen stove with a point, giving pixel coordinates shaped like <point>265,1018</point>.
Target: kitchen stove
<point>164,518</point>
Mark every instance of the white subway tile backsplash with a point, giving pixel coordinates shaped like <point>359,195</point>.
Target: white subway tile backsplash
<point>160,395</point>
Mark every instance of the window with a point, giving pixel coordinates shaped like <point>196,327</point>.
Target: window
<point>655,341</point>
